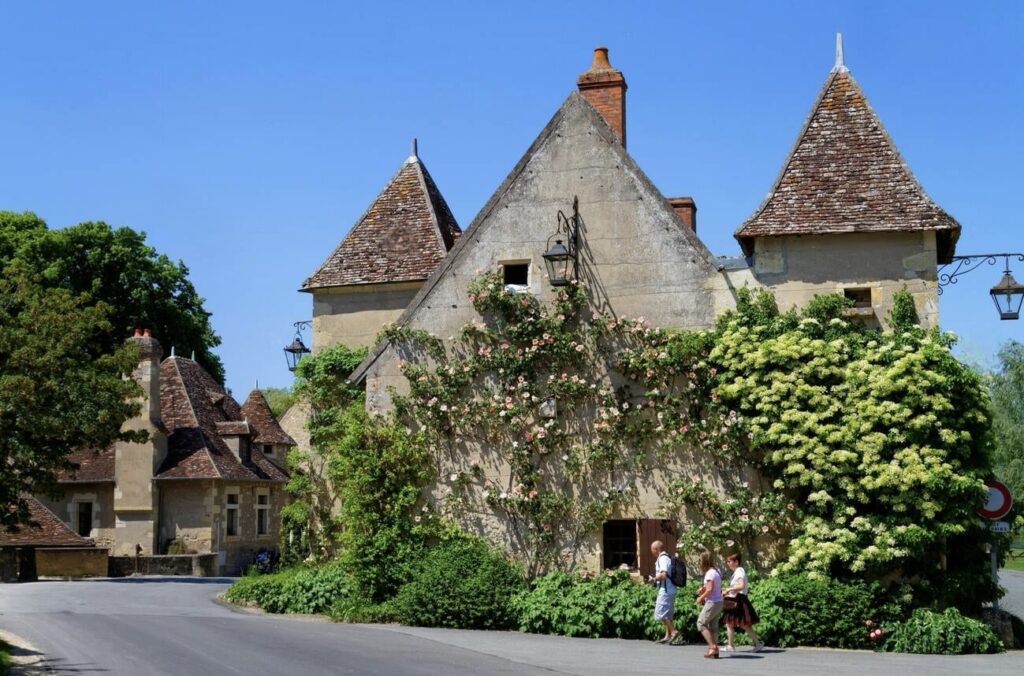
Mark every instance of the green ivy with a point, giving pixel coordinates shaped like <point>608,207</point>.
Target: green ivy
<point>945,633</point>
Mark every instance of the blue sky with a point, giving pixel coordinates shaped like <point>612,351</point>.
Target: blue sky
<point>245,138</point>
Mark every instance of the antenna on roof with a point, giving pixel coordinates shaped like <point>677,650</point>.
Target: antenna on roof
<point>840,67</point>
<point>257,383</point>
<point>193,355</point>
<point>414,156</point>
<point>172,350</point>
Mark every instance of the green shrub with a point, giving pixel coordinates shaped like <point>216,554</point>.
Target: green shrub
<point>461,583</point>
<point>293,590</point>
<point>272,592</point>
<point>606,605</point>
<point>316,589</point>
<point>796,610</point>
<point>945,633</point>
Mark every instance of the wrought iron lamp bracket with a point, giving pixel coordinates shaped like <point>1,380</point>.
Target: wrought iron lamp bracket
<point>961,265</point>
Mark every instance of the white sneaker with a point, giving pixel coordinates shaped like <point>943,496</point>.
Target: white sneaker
<point>729,649</point>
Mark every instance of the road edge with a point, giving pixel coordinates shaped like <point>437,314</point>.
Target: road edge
<point>26,659</point>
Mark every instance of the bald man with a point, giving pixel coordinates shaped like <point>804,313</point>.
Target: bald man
<point>665,604</point>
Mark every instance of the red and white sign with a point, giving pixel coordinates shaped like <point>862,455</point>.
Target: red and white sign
<point>998,502</point>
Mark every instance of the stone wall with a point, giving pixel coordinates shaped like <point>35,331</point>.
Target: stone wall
<point>237,551</point>
<point>101,495</point>
<point>201,565</point>
<point>76,562</point>
<point>187,515</point>
<point>353,315</point>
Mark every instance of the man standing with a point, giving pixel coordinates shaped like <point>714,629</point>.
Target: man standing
<point>665,604</point>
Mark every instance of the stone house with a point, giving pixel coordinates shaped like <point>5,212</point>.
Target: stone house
<point>209,479</point>
<point>845,215</point>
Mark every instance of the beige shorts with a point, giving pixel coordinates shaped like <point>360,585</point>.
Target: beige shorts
<point>709,616</point>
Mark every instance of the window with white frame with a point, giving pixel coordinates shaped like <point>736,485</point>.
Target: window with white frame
<point>231,515</point>
<point>262,514</point>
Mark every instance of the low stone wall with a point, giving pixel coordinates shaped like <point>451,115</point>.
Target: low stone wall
<point>203,565</point>
<point>84,562</point>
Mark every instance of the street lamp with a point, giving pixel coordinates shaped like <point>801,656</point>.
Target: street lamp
<point>294,353</point>
<point>558,256</point>
<point>1007,295</point>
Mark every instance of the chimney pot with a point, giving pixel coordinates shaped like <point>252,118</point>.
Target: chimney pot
<point>686,209</point>
<point>604,87</point>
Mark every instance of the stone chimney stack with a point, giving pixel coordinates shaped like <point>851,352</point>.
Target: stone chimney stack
<point>605,89</point>
<point>147,373</point>
<point>686,209</point>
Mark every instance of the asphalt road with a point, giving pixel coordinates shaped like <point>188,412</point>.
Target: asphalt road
<point>173,626</point>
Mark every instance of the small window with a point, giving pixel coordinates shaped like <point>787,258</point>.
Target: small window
<point>262,514</point>
<point>516,276</point>
<point>268,449</point>
<point>83,526</point>
<point>231,522</point>
<point>620,543</point>
<point>861,297</point>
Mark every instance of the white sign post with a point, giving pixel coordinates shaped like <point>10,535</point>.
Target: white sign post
<point>998,503</point>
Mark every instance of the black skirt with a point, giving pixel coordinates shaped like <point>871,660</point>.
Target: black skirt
<point>743,615</point>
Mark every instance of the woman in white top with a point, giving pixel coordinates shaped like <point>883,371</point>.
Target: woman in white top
<point>739,612</point>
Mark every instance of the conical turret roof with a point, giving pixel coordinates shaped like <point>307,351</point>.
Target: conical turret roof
<point>844,174</point>
<point>402,237</point>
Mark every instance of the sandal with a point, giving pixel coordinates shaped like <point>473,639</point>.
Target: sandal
<point>711,654</point>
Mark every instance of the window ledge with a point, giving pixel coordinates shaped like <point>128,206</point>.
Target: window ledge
<point>859,312</point>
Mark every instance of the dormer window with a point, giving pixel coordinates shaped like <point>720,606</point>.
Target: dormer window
<point>516,276</point>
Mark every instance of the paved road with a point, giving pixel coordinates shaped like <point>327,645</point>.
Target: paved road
<point>173,626</point>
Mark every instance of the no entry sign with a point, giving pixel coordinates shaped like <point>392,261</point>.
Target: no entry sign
<point>998,502</point>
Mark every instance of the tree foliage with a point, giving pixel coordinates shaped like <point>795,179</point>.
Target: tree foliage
<point>1007,388</point>
<point>115,266</point>
<point>55,396</point>
<point>278,398</point>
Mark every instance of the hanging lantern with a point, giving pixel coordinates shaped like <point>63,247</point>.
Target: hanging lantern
<point>295,352</point>
<point>1007,295</point>
<point>559,257</point>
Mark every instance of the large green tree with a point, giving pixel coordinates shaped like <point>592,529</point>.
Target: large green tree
<point>54,395</point>
<point>115,266</point>
<point>1008,417</point>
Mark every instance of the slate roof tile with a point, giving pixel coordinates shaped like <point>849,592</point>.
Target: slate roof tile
<point>45,529</point>
<point>845,174</point>
<point>266,428</point>
<point>89,466</point>
<point>195,449</point>
<point>402,237</point>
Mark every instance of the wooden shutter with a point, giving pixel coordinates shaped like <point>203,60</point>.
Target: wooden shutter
<point>649,530</point>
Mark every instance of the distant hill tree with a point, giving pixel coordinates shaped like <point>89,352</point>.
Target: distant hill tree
<point>1007,386</point>
<point>278,398</point>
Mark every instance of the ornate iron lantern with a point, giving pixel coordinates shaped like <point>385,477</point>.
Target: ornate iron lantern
<point>560,257</point>
<point>297,350</point>
<point>1008,296</point>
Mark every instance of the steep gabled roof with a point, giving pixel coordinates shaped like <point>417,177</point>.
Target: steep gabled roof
<point>267,431</point>
<point>44,529</point>
<point>196,411</point>
<point>843,175</point>
<point>402,237</point>
<point>574,104</point>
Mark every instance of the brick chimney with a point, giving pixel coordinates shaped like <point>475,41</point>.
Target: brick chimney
<point>605,89</point>
<point>686,209</point>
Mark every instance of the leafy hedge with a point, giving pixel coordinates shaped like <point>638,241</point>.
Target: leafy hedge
<point>462,583</point>
<point>797,610</point>
<point>294,590</point>
<point>605,605</point>
<point>945,633</point>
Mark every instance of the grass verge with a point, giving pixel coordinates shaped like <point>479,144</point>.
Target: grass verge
<point>5,659</point>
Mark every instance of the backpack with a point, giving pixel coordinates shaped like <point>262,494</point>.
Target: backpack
<point>677,572</point>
